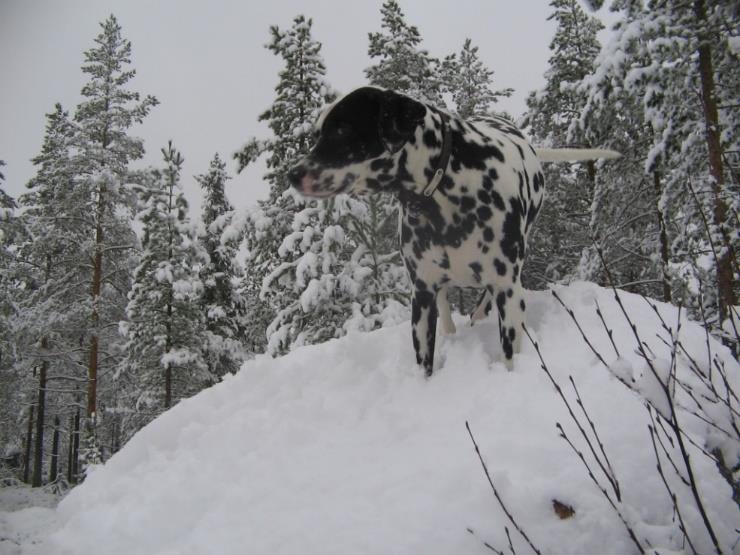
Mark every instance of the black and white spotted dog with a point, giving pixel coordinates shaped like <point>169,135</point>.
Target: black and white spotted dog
<point>469,194</point>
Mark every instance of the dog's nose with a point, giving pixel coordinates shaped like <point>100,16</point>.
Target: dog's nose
<point>296,175</point>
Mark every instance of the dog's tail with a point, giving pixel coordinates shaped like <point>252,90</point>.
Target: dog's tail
<point>575,154</point>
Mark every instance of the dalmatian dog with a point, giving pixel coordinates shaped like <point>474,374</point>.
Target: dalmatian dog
<point>469,193</point>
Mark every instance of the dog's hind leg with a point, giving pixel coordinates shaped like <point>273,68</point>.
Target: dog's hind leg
<point>484,307</point>
<point>443,306</point>
<point>510,305</point>
<point>424,328</point>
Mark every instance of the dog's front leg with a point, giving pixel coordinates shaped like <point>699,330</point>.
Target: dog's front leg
<point>424,327</point>
<point>443,308</point>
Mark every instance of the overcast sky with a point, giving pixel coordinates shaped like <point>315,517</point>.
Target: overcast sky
<point>207,65</point>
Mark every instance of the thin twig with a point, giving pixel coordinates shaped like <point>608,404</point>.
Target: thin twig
<point>607,471</point>
<point>573,317</point>
<point>673,422</point>
<point>485,543</point>
<point>602,489</point>
<point>609,332</point>
<point>671,494</point>
<point>615,483</point>
<point>496,494</point>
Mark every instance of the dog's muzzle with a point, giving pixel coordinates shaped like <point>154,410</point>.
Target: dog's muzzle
<point>302,180</point>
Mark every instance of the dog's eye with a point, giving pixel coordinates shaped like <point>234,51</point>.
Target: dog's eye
<point>342,130</point>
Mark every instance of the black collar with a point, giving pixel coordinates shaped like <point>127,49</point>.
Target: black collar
<point>444,158</point>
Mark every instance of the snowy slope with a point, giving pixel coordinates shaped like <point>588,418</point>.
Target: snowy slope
<point>346,448</point>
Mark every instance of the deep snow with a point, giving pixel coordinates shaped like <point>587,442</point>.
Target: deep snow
<point>346,448</point>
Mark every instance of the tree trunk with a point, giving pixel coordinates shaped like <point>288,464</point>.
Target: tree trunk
<point>38,455</point>
<point>665,278</point>
<point>29,440</point>
<point>76,449</point>
<point>168,367</point>
<point>97,279</point>
<point>54,466</point>
<point>70,449</point>
<point>725,255</point>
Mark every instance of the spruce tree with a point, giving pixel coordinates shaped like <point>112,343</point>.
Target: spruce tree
<point>469,82</point>
<point>402,66</point>
<point>105,150</point>
<point>222,306</point>
<point>669,57</point>
<point>11,380</point>
<point>563,227</point>
<point>164,328</point>
<point>50,314</point>
<point>270,283</point>
<point>7,204</point>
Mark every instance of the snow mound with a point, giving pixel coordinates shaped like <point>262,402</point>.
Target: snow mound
<point>346,448</point>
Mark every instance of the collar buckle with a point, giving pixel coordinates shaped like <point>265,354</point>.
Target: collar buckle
<point>434,183</point>
<point>444,159</point>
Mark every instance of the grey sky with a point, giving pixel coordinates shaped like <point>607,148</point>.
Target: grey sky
<point>206,63</point>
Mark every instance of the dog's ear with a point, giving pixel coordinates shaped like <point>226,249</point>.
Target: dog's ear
<point>398,120</point>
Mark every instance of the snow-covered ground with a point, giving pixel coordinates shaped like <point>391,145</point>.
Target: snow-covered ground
<point>346,448</point>
<point>26,514</point>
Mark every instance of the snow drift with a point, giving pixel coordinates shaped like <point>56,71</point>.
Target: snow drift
<point>346,448</point>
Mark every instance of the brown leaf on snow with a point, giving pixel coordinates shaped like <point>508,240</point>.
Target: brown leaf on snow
<point>562,510</point>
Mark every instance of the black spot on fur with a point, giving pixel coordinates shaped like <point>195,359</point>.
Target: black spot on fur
<point>508,347</point>
<point>501,304</point>
<point>512,244</point>
<point>472,155</point>
<point>500,267</point>
<point>484,213</point>
<point>430,139</point>
<point>467,204</point>
<point>498,201</point>
<point>382,164</point>
<point>538,181</point>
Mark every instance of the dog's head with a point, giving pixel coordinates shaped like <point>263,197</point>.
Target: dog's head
<point>358,137</point>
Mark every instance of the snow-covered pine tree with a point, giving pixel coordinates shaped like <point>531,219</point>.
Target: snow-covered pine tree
<point>470,82</point>
<point>11,380</point>
<point>271,286</point>
<point>7,203</point>
<point>668,56</point>
<point>222,305</point>
<point>104,151</point>
<point>562,230</point>
<point>402,66</point>
<point>49,315</point>
<point>627,220</point>
<point>165,325</point>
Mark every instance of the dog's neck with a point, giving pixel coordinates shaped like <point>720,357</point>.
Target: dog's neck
<point>421,167</point>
